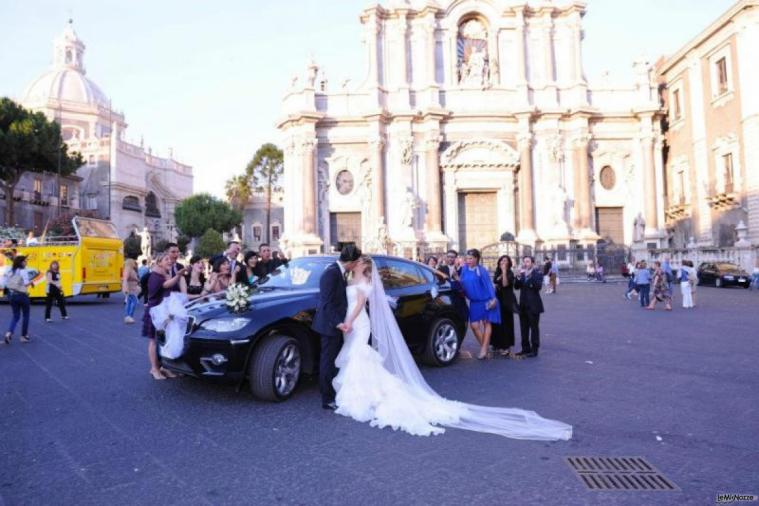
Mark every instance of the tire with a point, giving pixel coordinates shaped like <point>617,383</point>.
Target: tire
<point>274,368</point>
<point>443,343</point>
<point>718,282</point>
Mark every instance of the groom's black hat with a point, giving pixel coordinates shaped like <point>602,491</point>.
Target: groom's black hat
<point>350,253</point>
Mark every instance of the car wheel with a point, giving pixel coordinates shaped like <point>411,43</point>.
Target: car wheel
<point>442,343</point>
<point>718,282</point>
<point>274,368</point>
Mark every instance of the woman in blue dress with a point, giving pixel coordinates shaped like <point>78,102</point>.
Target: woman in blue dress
<point>483,304</point>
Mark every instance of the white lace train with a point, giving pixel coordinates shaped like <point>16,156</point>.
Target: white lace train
<point>384,387</point>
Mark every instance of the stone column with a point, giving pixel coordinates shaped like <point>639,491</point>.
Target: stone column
<point>372,32</point>
<point>434,214</point>
<point>649,175</point>
<point>526,197</point>
<point>521,60</point>
<point>582,182</point>
<point>376,153</point>
<point>307,150</point>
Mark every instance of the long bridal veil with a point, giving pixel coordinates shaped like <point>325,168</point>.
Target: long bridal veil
<point>510,422</point>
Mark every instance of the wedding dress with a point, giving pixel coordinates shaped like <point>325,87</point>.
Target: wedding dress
<point>381,384</point>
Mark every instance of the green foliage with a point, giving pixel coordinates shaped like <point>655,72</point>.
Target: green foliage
<point>182,242</point>
<point>132,246</point>
<point>238,191</point>
<point>265,171</point>
<point>211,243</point>
<point>160,246</point>
<point>266,168</point>
<point>29,142</point>
<point>196,214</point>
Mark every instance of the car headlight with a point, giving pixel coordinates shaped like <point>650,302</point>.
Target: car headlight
<point>225,324</point>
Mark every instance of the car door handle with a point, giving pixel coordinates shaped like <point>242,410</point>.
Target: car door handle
<point>393,301</point>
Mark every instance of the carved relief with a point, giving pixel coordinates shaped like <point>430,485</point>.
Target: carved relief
<point>474,65</point>
<point>479,154</point>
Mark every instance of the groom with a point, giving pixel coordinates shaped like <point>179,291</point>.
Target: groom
<point>328,320</point>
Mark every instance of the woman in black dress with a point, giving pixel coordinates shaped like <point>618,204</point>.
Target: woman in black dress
<point>503,333</point>
<point>195,279</point>
<point>159,284</point>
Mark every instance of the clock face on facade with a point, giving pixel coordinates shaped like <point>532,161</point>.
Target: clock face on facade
<point>344,182</point>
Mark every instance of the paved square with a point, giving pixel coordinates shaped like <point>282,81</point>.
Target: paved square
<point>83,423</point>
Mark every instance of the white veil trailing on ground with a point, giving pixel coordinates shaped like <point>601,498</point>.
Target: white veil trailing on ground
<point>390,344</point>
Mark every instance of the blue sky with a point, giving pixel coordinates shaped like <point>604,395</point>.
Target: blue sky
<point>206,78</point>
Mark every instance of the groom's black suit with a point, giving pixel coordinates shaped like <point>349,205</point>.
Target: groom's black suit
<point>330,312</point>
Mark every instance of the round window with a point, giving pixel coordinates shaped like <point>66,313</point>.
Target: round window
<point>608,178</point>
<point>344,182</point>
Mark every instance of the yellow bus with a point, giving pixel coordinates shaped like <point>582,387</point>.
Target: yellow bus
<point>90,261</point>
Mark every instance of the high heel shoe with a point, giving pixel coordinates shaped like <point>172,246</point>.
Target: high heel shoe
<point>483,356</point>
<point>25,339</point>
<point>8,337</point>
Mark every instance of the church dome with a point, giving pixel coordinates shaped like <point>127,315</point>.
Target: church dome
<point>66,80</point>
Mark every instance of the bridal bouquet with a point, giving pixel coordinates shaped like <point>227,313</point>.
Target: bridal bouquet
<point>238,298</point>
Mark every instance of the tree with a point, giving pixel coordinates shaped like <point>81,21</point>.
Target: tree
<point>238,191</point>
<point>194,215</point>
<point>265,170</point>
<point>183,241</point>
<point>211,243</point>
<point>29,142</point>
<point>132,246</point>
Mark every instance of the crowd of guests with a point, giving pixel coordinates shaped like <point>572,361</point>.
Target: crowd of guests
<point>199,278</point>
<point>492,301</point>
<point>654,284</point>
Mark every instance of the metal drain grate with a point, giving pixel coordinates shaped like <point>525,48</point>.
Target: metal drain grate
<point>631,474</point>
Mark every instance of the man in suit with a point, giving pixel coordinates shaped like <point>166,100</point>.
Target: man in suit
<point>529,281</point>
<point>329,320</point>
<point>453,272</point>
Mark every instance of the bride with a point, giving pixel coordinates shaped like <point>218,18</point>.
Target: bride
<point>380,383</point>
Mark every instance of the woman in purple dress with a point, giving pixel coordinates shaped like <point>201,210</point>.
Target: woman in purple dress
<point>483,304</point>
<point>159,286</point>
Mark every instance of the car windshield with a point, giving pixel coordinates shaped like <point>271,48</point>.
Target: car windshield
<point>297,274</point>
<point>727,267</point>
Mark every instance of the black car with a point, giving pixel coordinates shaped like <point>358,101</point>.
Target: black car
<point>722,274</point>
<point>271,344</point>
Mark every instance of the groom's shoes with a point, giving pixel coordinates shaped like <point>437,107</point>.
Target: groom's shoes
<point>533,353</point>
<point>330,406</point>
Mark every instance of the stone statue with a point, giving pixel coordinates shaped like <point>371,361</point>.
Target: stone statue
<point>383,237</point>
<point>476,68</point>
<point>145,241</point>
<point>409,208</point>
<point>639,228</point>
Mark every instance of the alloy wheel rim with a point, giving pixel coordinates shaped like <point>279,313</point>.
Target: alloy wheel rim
<point>287,369</point>
<point>446,342</point>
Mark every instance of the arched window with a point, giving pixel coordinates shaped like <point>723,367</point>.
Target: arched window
<point>151,206</point>
<point>131,203</point>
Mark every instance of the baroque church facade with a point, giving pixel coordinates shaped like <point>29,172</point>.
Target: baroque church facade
<point>120,180</point>
<point>475,122</point>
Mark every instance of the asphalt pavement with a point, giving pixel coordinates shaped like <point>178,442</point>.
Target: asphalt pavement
<point>82,422</point>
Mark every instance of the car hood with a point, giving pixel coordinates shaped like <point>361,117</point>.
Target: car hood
<point>259,300</point>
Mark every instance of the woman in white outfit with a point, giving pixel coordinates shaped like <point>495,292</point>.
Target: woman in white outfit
<point>685,286</point>
<point>381,384</point>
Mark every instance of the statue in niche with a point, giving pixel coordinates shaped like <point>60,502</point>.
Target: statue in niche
<point>473,60</point>
<point>639,228</point>
<point>410,204</point>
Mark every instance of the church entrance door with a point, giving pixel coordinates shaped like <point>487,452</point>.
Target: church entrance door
<point>344,228</point>
<point>610,223</point>
<point>478,220</point>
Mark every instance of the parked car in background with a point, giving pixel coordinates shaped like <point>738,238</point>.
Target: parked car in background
<point>271,343</point>
<point>722,274</point>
